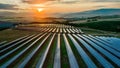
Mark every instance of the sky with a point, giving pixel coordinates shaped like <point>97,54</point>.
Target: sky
<point>30,8</point>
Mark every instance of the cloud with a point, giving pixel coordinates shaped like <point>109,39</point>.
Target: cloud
<point>8,6</point>
<point>65,1</point>
<point>55,1</point>
<point>35,1</point>
<point>106,0</point>
<point>7,13</point>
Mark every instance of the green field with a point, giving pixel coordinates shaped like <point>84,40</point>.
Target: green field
<point>113,26</point>
<point>105,28</point>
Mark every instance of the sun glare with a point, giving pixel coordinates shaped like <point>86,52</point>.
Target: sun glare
<point>40,9</point>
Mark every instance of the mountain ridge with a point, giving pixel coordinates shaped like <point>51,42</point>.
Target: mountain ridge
<point>91,13</point>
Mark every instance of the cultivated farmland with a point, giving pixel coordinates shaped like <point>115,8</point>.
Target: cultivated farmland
<point>59,46</point>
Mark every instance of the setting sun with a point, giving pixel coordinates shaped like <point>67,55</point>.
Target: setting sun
<point>40,9</point>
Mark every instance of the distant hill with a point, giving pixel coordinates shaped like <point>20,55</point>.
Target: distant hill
<point>91,13</point>
<point>5,25</point>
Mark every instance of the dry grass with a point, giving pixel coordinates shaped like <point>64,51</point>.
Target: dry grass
<point>10,34</point>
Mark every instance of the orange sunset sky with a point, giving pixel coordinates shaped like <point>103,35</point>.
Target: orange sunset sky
<point>45,8</point>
